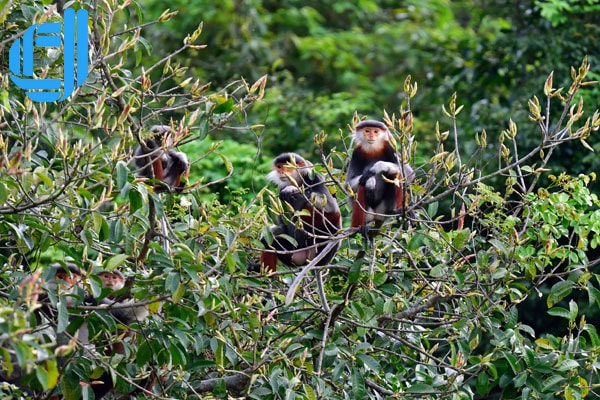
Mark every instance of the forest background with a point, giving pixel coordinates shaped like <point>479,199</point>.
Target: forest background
<point>499,300</point>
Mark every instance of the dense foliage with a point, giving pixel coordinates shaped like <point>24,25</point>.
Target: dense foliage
<point>438,306</point>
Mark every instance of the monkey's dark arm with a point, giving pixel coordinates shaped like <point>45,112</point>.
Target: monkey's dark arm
<point>358,164</point>
<point>294,197</point>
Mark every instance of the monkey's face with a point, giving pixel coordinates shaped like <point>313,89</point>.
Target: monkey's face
<point>69,279</point>
<point>65,282</point>
<point>372,134</point>
<point>287,173</point>
<point>112,280</point>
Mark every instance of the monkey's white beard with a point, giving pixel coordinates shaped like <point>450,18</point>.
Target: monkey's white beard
<point>359,137</point>
<point>274,177</point>
<point>282,182</point>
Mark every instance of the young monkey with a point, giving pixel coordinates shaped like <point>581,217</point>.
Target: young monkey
<point>374,169</point>
<point>303,190</point>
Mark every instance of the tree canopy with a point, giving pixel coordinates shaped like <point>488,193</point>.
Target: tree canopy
<point>485,287</point>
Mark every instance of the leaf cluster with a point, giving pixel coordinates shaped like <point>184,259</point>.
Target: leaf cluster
<point>428,309</point>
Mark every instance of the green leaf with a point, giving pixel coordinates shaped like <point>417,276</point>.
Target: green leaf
<point>219,353</point>
<point>439,271</point>
<point>569,395</point>
<point>42,376</point>
<point>63,315</point>
<point>224,107</point>
<point>559,291</point>
<point>178,293</point>
<point>3,193</point>
<point>513,362</point>
<point>107,320</point>
<point>4,11</point>
<point>116,228</point>
<point>420,388</point>
<point>567,365</point>
<point>227,162</point>
<point>339,370</point>
<point>359,390</point>
<point>72,389</point>
<point>559,312</point>
<point>573,310</point>
<point>172,282</point>
<point>460,238</point>
<point>230,262</point>
<point>591,330</point>
<point>416,241</point>
<point>309,392</point>
<point>53,374</point>
<point>122,172</point>
<point>432,208</point>
<point>500,273</point>
<point>95,285</point>
<point>143,354</point>
<point>100,226</point>
<point>553,383</point>
<point>40,173</point>
<point>520,379</point>
<point>178,357</point>
<point>135,200</point>
<point>544,343</point>
<point>482,384</point>
<point>369,362</point>
<point>512,317</point>
<point>5,361</point>
<point>593,294</point>
<point>116,261</point>
<point>354,272</point>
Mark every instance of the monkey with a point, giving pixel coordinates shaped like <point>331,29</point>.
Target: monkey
<point>304,191</point>
<point>66,276</point>
<point>115,281</point>
<point>374,166</point>
<point>158,162</point>
<point>65,281</point>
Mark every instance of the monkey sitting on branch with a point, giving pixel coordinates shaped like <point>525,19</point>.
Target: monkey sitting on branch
<point>154,159</point>
<point>302,236</point>
<point>377,177</point>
